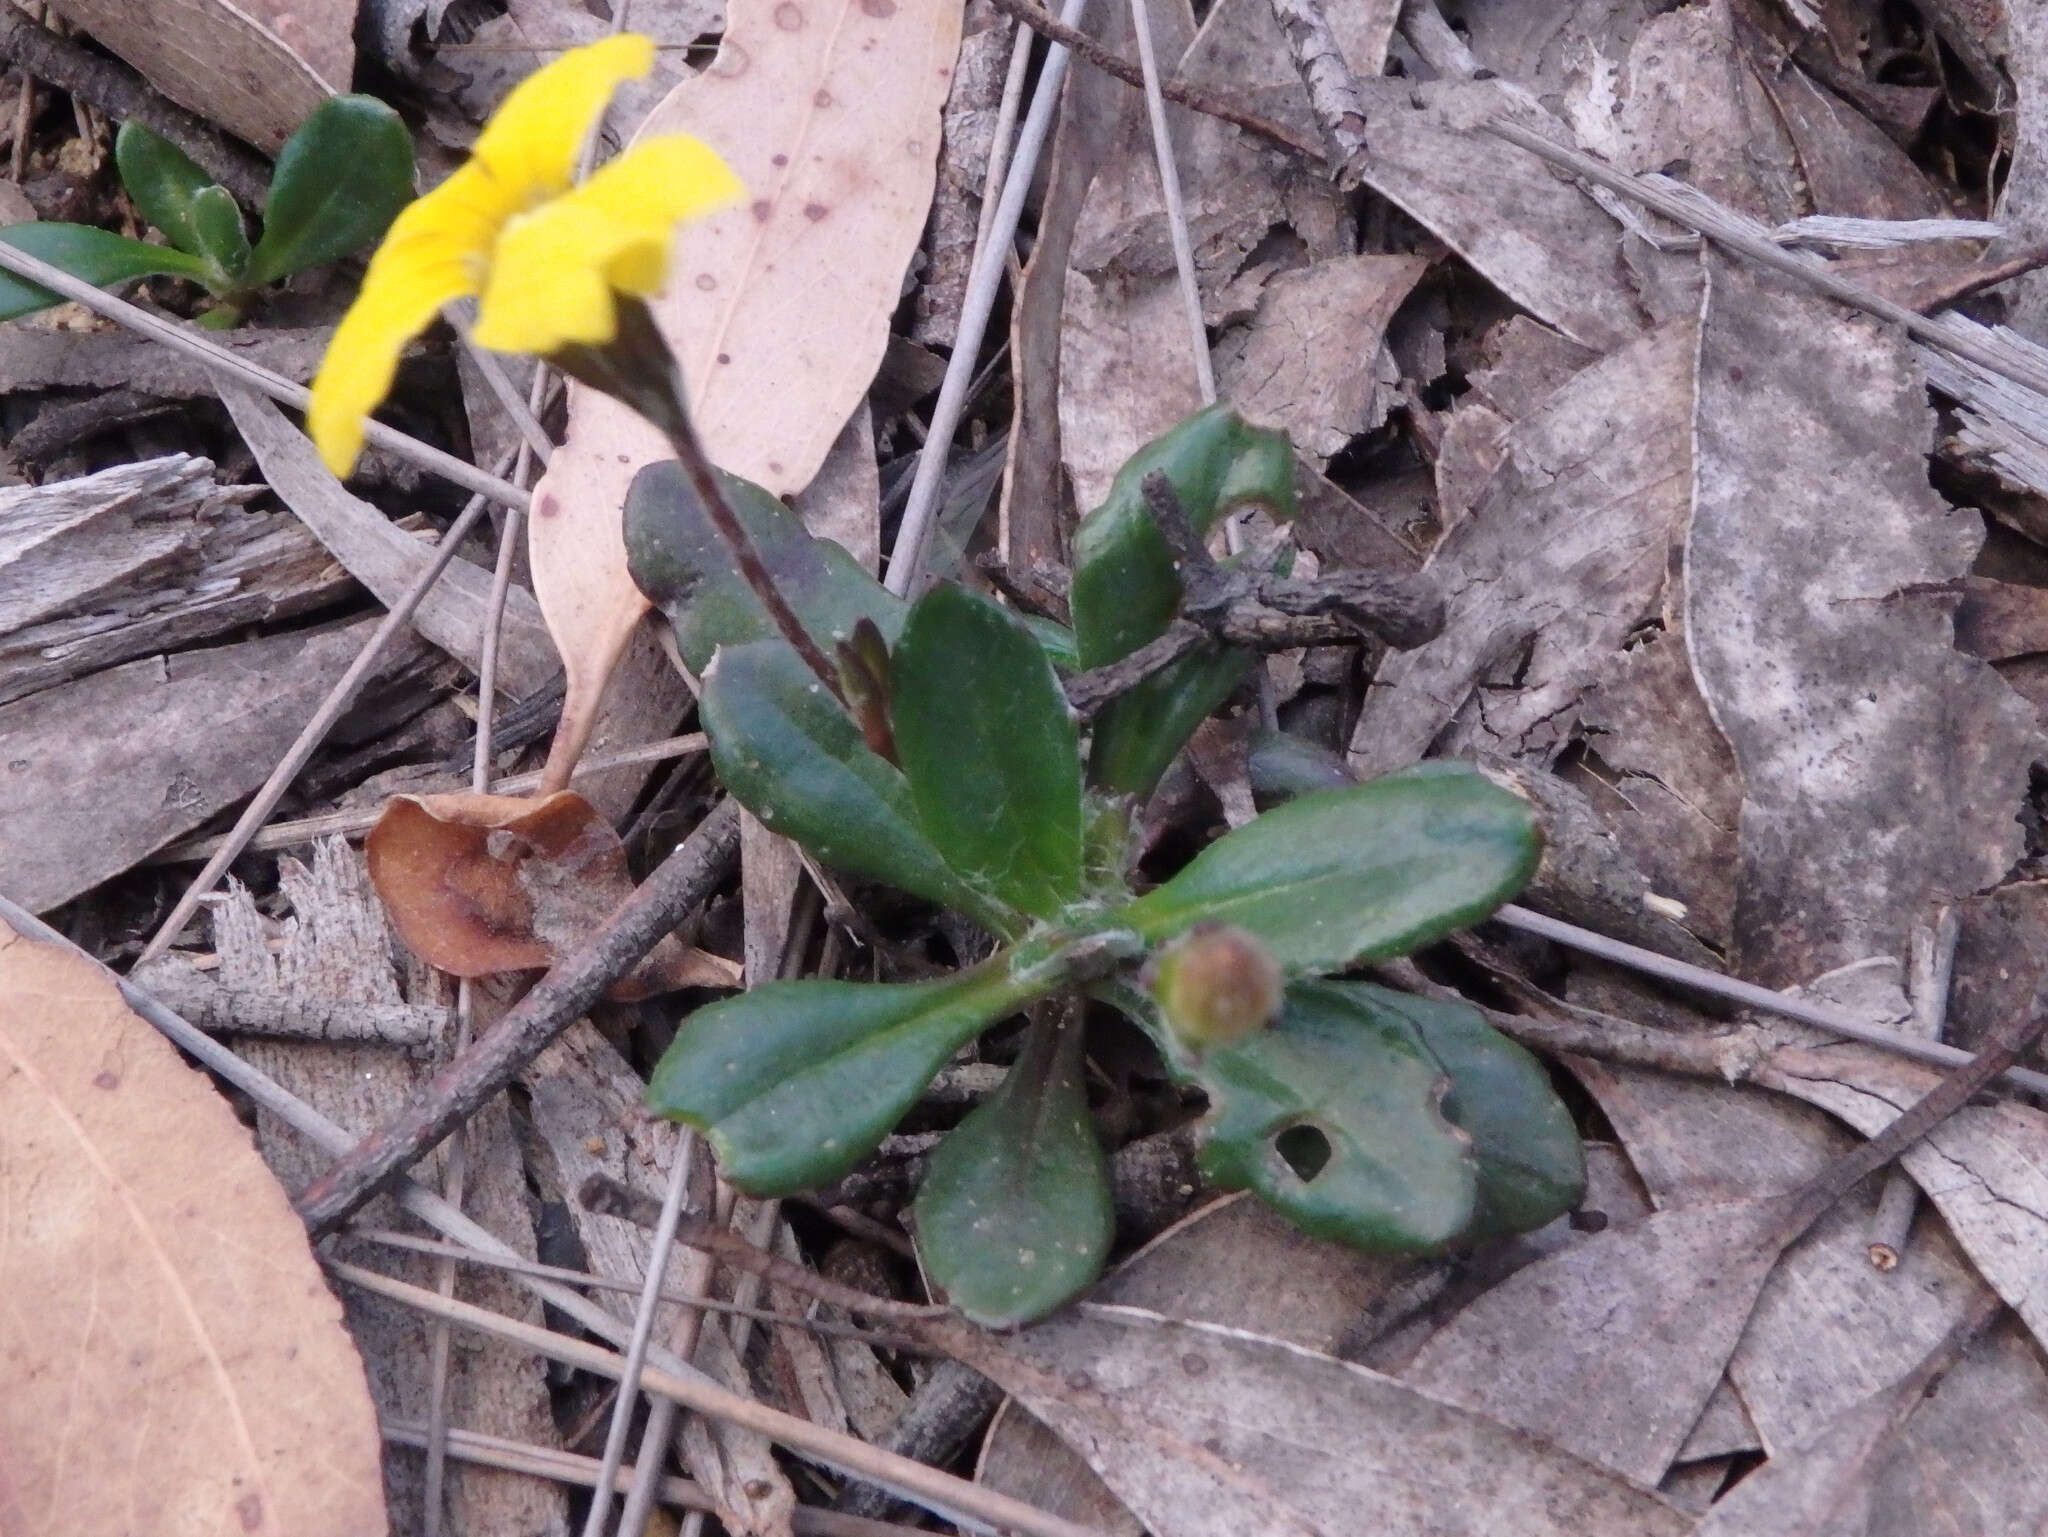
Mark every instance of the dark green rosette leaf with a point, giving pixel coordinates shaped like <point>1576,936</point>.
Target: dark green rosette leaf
<point>1357,874</point>
<point>1332,1117</point>
<point>1531,1164</point>
<point>1138,733</point>
<point>341,180</point>
<point>1015,1214</point>
<point>796,1082</point>
<point>223,240</point>
<point>679,561</point>
<point>98,256</point>
<point>162,182</point>
<point>990,750</point>
<point>1126,590</point>
<point>791,756</point>
<point>1283,765</point>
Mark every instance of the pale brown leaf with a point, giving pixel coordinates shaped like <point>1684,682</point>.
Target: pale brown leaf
<point>173,1353</point>
<point>779,309</point>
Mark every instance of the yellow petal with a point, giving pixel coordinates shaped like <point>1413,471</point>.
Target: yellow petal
<point>654,185</point>
<point>406,287</point>
<point>550,280</point>
<point>531,143</point>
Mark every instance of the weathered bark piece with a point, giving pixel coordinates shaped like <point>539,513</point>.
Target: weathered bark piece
<point>1312,361</point>
<point>969,137</point>
<point>115,360</point>
<point>106,769</point>
<point>180,986</point>
<point>1882,770</point>
<point>1205,1431</point>
<point>385,559</point>
<point>586,1105</point>
<point>335,946</point>
<point>139,558</point>
<point>1562,557</point>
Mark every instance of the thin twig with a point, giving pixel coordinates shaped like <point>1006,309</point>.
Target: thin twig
<point>463,1253</point>
<point>1931,971</point>
<point>285,835</point>
<point>121,93</point>
<point>1822,1016</point>
<point>914,1479</point>
<point>660,1247</point>
<point>913,533</point>
<point>679,884</point>
<point>571,1468</point>
<point>1697,212</point>
<point>1176,210</point>
<point>609,1197</point>
<point>1194,98</point>
<point>313,733</point>
<point>1333,94</point>
<point>195,345</point>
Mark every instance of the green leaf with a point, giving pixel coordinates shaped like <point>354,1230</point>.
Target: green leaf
<point>1125,588</point>
<point>1331,1117</point>
<point>791,756</point>
<point>1056,639</point>
<point>1358,874</point>
<point>684,567</point>
<point>96,255</point>
<point>796,1082</point>
<point>1015,1215</point>
<point>341,180</point>
<point>1284,765</point>
<point>1138,733</point>
<point>223,241</point>
<point>162,181</point>
<point>990,750</point>
<point>1531,1165</point>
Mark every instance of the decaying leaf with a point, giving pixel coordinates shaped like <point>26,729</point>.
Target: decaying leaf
<point>1881,768</point>
<point>1564,554</point>
<point>779,310</point>
<point>173,1351</point>
<point>224,61</point>
<point>1306,363</point>
<point>478,884</point>
<point>1207,1430</point>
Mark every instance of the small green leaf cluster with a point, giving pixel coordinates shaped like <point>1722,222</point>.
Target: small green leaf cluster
<point>1367,1116</point>
<point>340,181</point>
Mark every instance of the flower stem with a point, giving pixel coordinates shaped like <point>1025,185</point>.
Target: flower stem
<point>638,368</point>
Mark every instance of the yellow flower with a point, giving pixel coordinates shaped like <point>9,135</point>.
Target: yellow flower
<point>543,257</point>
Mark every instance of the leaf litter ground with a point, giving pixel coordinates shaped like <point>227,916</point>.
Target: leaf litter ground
<point>1703,533</point>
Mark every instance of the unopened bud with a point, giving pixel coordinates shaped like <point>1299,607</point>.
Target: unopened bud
<point>1216,984</point>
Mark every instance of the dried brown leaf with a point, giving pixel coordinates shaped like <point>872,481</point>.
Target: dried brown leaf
<point>479,884</point>
<point>173,1351</point>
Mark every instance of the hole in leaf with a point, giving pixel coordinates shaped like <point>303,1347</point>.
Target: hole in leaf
<point>1306,1150</point>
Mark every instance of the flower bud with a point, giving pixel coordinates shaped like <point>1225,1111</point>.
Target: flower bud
<point>1216,984</point>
